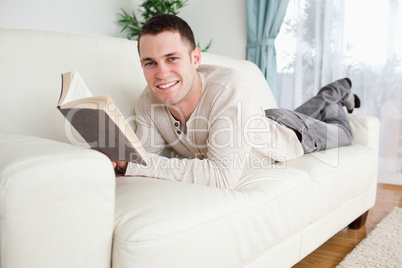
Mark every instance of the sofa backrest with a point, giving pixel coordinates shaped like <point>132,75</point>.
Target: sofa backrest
<point>31,63</point>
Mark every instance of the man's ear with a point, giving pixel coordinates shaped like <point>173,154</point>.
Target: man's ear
<point>196,57</point>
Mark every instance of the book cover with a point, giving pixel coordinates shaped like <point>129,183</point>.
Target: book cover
<point>99,121</point>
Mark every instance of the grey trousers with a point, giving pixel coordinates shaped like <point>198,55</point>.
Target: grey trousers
<point>321,122</point>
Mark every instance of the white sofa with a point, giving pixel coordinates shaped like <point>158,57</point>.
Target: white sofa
<point>61,206</point>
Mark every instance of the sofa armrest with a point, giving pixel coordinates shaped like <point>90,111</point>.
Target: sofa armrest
<point>366,130</point>
<point>56,204</point>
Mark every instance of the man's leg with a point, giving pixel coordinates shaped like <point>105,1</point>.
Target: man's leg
<point>313,134</point>
<point>321,122</point>
<point>335,92</point>
<point>326,107</point>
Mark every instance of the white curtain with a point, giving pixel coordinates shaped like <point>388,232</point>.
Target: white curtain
<point>325,40</point>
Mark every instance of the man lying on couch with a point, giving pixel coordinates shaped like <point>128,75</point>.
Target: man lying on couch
<point>208,115</point>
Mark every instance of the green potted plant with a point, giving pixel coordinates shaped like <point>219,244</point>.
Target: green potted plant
<point>149,8</point>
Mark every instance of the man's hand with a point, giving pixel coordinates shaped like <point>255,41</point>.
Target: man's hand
<point>120,166</point>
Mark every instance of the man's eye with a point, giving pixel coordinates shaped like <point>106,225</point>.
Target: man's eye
<point>148,64</point>
<point>172,58</point>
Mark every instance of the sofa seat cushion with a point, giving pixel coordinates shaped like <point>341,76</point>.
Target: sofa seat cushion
<point>337,175</point>
<point>156,219</point>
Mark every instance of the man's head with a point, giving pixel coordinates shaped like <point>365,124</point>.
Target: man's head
<point>170,60</point>
<point>165,22</point>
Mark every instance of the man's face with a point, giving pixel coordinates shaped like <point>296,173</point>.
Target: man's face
<point>169,67</point>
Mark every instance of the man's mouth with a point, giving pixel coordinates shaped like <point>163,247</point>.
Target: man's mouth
<point>167,85</point>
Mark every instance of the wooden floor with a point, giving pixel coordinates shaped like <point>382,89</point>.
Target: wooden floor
<point>335,249</point>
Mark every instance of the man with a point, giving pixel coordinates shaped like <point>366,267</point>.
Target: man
<point>207,114</point>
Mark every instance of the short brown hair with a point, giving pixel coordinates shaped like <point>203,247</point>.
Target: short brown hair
<point>166,22</point>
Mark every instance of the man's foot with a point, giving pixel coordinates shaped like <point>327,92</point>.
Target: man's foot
<point>351,100</point>
<point>349,82</point>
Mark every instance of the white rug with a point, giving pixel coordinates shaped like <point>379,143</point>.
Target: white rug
<point>382,247</point>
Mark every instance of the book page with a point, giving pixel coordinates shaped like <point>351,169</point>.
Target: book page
<point>78,89</point>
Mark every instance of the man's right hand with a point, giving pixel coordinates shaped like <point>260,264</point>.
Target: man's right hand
<point>120,166</point>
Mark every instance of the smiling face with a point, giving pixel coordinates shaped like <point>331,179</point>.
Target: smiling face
<point>170,68</point>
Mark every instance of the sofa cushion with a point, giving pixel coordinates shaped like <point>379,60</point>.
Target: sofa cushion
<point>30,77</point>
<point>157,220</point>
<point>337,175</point>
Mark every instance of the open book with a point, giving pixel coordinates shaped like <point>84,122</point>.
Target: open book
<point>99,121</point>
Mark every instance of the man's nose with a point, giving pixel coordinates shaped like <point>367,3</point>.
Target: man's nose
<point>162,72</point>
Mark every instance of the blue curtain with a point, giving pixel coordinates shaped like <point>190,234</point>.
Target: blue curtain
<point>264,20</point>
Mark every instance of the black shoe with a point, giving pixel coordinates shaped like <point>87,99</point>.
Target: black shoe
<point>357,101</point>
<point>352,100</point>
<point>349,82</point>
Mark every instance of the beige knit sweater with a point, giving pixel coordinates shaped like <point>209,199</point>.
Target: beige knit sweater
<point>226,133</point>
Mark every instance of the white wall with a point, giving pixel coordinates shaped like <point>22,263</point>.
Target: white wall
<point>223,21</point>
<point>82,16</point>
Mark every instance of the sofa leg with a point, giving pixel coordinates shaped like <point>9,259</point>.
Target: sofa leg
<point>359,222</point>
